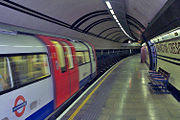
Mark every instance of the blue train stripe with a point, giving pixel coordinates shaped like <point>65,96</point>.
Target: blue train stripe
<point>85,81</point>
<point>42,113</point>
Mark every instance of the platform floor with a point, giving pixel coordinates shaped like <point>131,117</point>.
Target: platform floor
<point>125,95</point>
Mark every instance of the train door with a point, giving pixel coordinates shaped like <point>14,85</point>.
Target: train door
<point>57,58</point>
<point>62,81</point>
<point>71,68</point>
<point>65,67</point>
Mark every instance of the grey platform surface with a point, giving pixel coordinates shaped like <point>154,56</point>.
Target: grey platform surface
<point>125,95</point>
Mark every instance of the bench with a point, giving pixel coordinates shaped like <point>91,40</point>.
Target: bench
<point>159,81</point>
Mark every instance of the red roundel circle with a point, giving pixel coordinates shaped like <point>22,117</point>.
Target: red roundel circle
<point>19,114</point>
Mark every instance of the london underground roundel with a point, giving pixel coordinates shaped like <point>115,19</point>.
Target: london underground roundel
<point>19,106</point>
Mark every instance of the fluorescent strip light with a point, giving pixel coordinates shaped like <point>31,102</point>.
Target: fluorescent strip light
<point>117,20</point>
<point>4,45</point>
<point>120,25</point>
<point>124,31</point>
<point>108,4</point>
<point>112,12</point>
<point>114,16</point>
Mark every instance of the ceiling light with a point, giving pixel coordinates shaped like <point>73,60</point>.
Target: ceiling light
<point>108,4</point>
<point>114,16</point>
<point>112,12</point>
<point>117,20</point>
<point>126,33</point>
<point>119,24</point>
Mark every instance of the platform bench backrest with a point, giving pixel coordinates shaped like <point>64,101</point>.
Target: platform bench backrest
<point>164,73</point>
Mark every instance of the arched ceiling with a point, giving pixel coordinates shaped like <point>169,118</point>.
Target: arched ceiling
<point>90,17</point>
<point>144,10</point>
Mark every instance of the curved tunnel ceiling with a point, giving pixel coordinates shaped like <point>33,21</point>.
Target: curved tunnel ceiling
<point>144,10</point>
<point>90,17</point>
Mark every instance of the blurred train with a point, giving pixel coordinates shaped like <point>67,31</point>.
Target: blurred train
<point>39,73</point>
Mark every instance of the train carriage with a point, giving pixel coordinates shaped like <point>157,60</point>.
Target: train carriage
<point>39,73</point>
<point>27,86</point>
<point>84,62</point>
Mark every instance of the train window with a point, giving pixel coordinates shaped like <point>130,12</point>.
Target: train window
<point>80,58</point>
<point>29,68</point>
<point>91,48</point>
<point>60,54</point>
<point>69,55</point>
<point>86,54</point>
<point>4,74</point>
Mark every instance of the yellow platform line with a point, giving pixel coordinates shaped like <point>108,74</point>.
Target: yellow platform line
<point>89,96</point>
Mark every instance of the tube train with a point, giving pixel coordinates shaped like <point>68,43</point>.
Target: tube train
<point>39,73</point>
